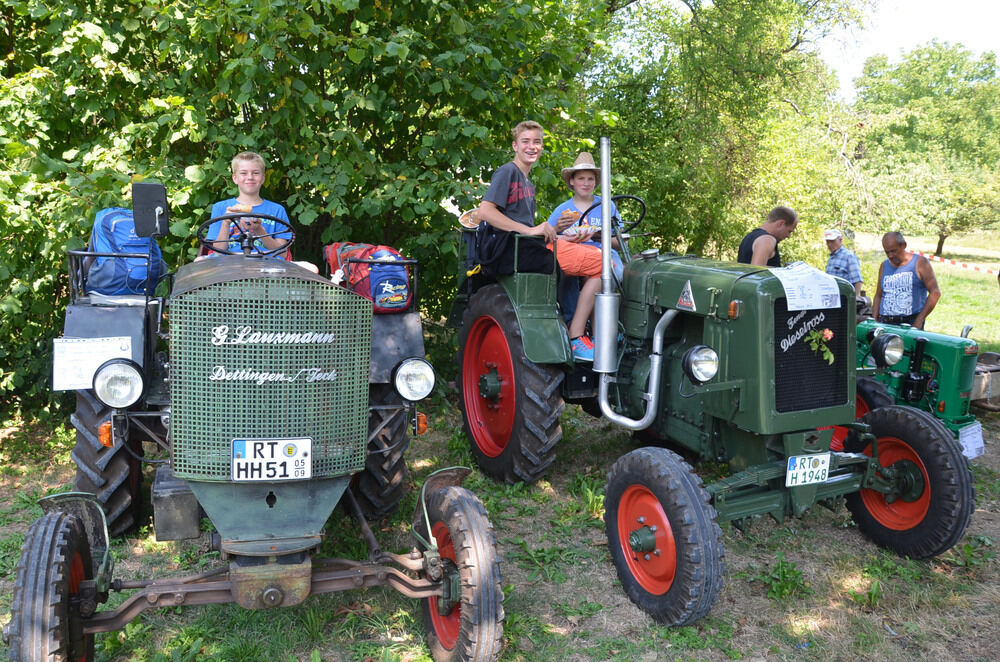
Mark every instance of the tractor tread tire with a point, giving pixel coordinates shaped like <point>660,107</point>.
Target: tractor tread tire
<point>41,617</point>
<point>382,484</point>
<point>113,475</point>
<point>481,615</point>
<point>531,448</point>
<point>952,493</point>
<point>700,554</point>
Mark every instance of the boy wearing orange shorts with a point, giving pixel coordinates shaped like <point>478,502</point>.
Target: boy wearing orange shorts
<point>509,206</point>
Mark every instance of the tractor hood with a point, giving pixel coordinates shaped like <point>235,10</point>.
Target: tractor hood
<point>226,268</point>
<point>694,284</point>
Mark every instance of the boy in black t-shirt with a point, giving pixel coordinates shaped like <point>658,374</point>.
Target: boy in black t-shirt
<point>509,205</point>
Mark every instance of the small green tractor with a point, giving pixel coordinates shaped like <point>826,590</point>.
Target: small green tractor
<point>280,395</point>
<point>723,363</point>
<point>936,375</point>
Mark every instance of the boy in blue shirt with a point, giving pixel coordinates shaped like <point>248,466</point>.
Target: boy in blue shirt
<point>248,175</point>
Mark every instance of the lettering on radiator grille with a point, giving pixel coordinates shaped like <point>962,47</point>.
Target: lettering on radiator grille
<point>246,335</point>
<point>789,341</point>
<point>259,377</point>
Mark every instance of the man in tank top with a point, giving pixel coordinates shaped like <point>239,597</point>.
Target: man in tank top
<point>907,289</point>
<point>760,246</point>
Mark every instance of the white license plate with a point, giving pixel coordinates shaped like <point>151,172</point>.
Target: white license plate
<point>971,439</point>
<point>272,459</point>
<point>807,469</point>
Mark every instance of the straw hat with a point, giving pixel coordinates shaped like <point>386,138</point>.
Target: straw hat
<point>470,219</point>
<point>583,162</point>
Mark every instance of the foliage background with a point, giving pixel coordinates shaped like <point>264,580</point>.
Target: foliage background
<point>380,119</point>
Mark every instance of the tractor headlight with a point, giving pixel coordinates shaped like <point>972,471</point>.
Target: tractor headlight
<point>414,379</point>
<point>887,348</point>
<point>700,364</point>
<point>118,383</point>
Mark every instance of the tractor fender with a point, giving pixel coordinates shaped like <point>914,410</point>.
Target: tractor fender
<point>542,330</point>
<point>394,337</point>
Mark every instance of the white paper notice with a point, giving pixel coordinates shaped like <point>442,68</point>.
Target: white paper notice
<point>75,360</point>
<point>808,288</point>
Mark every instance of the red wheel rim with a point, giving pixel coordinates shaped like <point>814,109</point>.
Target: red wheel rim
<point>840,432</point>
<point>638,508</point>
<point>77,573</point>
<point>445,627</point>
<point>899,515</point>
<point>487,353</point>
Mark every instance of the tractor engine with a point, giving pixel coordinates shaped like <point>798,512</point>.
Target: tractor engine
<point>769,380</point>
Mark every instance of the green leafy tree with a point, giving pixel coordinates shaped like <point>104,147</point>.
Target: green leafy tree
<point>930,144</point>
<point>370,114</point>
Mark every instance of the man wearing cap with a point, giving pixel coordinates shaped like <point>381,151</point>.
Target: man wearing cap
<point>842,263</point>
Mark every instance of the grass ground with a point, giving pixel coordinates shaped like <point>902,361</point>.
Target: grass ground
<point>809,589</point>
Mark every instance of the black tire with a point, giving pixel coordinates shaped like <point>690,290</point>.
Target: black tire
<point>870,394</point>
<point>513,434</point>
<point>44,625</point>
<point>472,630</point>
<point>382,484</point>
<point>677,577</point>
<point>932,517</point>
<point>113,475</point>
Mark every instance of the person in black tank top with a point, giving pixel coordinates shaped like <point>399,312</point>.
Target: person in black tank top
<point>760,246</point>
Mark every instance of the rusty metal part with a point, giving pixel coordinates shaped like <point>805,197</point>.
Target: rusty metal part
<point>270,585</point>
<point>328,576</point>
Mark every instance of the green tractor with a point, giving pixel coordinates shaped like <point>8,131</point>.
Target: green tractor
<point>722,362</point>
<point>279,397</point>
<point>936,375</point>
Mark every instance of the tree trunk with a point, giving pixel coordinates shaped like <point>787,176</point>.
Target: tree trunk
<point>940,244</point>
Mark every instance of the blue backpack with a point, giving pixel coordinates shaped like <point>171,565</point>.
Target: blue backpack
<point>114,232</point>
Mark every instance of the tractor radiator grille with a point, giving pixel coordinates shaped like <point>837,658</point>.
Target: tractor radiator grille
<point>273,358</point>
<point>803,379</point>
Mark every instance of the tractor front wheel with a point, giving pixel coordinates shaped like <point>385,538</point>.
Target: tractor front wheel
<point>665,543</point>
<point>932,497</point>
<point>510,405</point>
<point>466,626</point>
<point>45,620</point>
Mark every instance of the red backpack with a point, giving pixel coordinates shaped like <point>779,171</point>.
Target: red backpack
<point>372,272</point>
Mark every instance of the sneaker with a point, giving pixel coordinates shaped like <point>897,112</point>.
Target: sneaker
<point>583,349</point>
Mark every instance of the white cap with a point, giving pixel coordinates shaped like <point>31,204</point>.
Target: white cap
<point>830,235</point>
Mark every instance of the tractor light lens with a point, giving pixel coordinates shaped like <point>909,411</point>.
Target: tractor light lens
<point>887,348</point>
<point>414,379</point>
<point>118,383</point>
<point>700,364</point>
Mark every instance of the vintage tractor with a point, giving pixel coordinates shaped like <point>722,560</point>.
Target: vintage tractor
<point>936,375</point>
<point>275,406</point>
<point>719,361</point>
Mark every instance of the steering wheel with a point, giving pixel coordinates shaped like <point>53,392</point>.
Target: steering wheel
<point>615,199</point>
<point>245,238</point>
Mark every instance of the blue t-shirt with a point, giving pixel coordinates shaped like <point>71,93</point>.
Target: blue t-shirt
<point>592,222</point>
<point>265,207</point>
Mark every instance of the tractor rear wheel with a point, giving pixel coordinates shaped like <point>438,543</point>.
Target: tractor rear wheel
<point>471,628</point>
<point>929,510</point>
<point>45,620</point>
<point>113,475</point>
<point>382,484</point>
<point>510,405</point>
<point>664,540</point>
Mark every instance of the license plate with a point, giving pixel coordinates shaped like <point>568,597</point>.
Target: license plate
<point>971,439</point>
<point>807,469</point>
<point>272,459</point>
